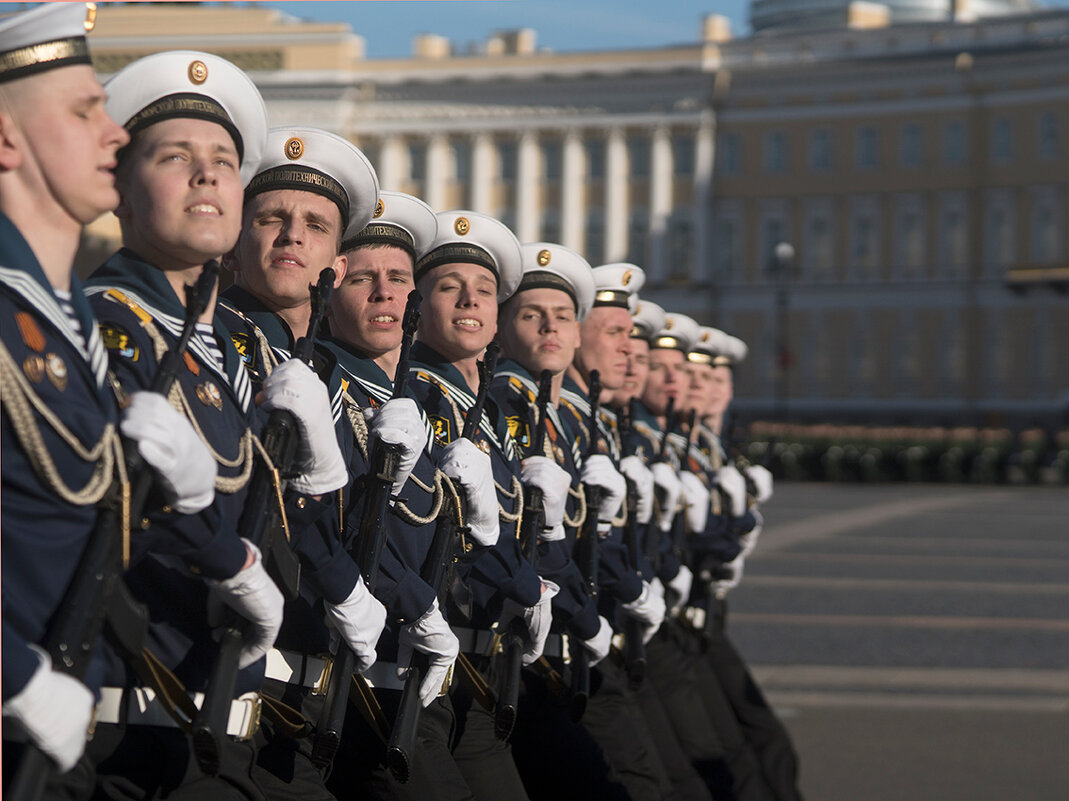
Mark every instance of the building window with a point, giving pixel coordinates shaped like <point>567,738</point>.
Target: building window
<point>551,227</point>
<point>680,248</point>
<point>952,245</point>
<point>911,146</point>
<point>462,160</point>
<point>910,241</point>
<point>1048,136</point>
<point>863,244</point>
<point>820,150</point>
<point>552,155</point>
<point>954,143</point>
<point>729,154</point>
<point>818,247</point>
<point>726,249</point>
<point>999,239</point>
<point>1001,140</point>
<point>417,161</point>
<point>638,237</point>
<point>1044,233</point>
<point>508,155</point>
<point>638,156</point>
<point>775,159</point>
<point>595,237</point>
<point>773,232</point>
<point>683,154</point>
<point>867,153</point>
<point>595,158</point>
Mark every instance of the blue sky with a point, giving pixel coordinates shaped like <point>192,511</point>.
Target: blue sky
<point>562,25</point>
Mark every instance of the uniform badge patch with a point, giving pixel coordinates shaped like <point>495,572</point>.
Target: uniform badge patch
<point>518,430</point>
<point>31,333</point>
<point>209,394</point>
<point>117,339</point>
<point>441,430</point>
<point>241,345</point>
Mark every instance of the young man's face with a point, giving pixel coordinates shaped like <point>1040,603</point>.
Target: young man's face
<point>666,379</point>
<point>68,141</point>
<point>539,330</point>
<point>721,390</point>
<point>606,336</point>
<point>698,387</point>
<point>459,312</point>
<point>638,367</point>
<point>288,238</point>
<point>368,309</point>
<point>181,193</point>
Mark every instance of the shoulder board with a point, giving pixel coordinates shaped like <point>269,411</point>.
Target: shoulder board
<point>121,297</point>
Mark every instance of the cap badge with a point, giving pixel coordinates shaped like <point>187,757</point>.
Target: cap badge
<point>198,72</point>
<point>544,258</point>
<point>462,226</point>
<point>705,336</point>
<point>379,209</point>
<point>294,148</point>
<point>626,278</point>
<point>90,16</point>
<point>668,324</point>
<point>638,308</point>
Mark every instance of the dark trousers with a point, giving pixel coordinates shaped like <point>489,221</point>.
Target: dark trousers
<point>360,771</point>
<point>284,767</point>
<point>557,757</point>
<point>759,725</point>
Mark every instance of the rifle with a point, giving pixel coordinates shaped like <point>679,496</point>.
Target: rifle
<point>260,524</point>
<point>403,736</point>
<point>586,557</point>
<point>533,523</point>
<point>383,466</point>
<point>652,534</point>
<point>97,598</point>
<point>634,648</point>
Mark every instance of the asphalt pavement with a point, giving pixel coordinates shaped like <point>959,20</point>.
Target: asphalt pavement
<point>915,638</point>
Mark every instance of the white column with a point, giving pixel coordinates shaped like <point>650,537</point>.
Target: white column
<point>617,187</point>
<point>573,207</point>
<point>528,182</point>
<point>482,174</point>
<point>391,163</point>
<point>437,178</point>
<point>704,139</point>
<point>660,206</point>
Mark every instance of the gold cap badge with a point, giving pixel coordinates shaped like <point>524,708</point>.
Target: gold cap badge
<point>198,72</point>
<point>379,208</point>
<point>90,16</point>
<point>544,258</point>
<point>462,226</point>
<point>668,324</point>
<point>294,148</point>
<point>626,279</point>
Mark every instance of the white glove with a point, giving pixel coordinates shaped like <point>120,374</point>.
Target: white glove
<point>762,479</point>
<point>468,466</point>
<point>294,387</point>
<point>598,645</point>
<point>724,585</point>
<point>55,709</point>
<point>679,587</point>
<point>748,541</point>
<point>537,618</point>
<point>554,481</point>
<point>633,468</point>
<point>398,423</point>
<point>666,480</point>
<point>598,471</point>
<point>165,439</point>
<point>253,595</point>
<point>734,486</point>
<point>696,498</point>
<point>359,619</point>
<point>430,635</point>
<point>648,608</point>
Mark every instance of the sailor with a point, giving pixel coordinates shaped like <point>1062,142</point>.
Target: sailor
<point>60,418</point>
<point>198,128</point>
<point>473,265</point>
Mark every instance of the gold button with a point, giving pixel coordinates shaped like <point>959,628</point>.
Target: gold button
<point>145,523</point>
<point>302,502</point>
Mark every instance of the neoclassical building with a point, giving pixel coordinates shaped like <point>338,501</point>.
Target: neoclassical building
<point>915,162</point>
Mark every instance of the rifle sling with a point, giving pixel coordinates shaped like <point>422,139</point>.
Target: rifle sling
<point>170,691</point>
<point>285,718</point>
<point>476,684</point>
<point>363,698</point>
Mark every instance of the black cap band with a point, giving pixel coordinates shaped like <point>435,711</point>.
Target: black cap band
<point>35,58</point>
<point>380,233</point>
<point>456,252</point>
<point>612,297</point>
<point>185,105</point>
<point>304,179</point>
<point>542,279</point>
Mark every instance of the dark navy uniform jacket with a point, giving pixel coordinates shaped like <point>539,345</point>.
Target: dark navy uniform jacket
<point>170,558</point>
<point>617,577</point>
<point>43,536</point>
<point>501,571</point>
<point>515,391</point>
<point>647,436</point>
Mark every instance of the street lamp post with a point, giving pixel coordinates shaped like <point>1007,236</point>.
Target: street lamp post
<point>781,267</point>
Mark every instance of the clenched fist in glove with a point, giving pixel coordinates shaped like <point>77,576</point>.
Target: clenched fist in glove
<point>554,481</point>
<point>537,619</point>
<point>667,482</point>
<point>469,467</point>
<point>294,387</point>
<point>432,636</point>
<point>253,595</point>
<point>648,609</point>
<point>633,468</point>
<point>762,481</point>
<point>733,484</point>
<point>359,619</point>
<point>185,468</point>
<point>598,471</point>
<point>696,499</point>
<point>599,644</point>
<point>398,423</point>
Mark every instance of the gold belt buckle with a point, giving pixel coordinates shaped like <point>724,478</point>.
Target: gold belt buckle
<point>323,682</point>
